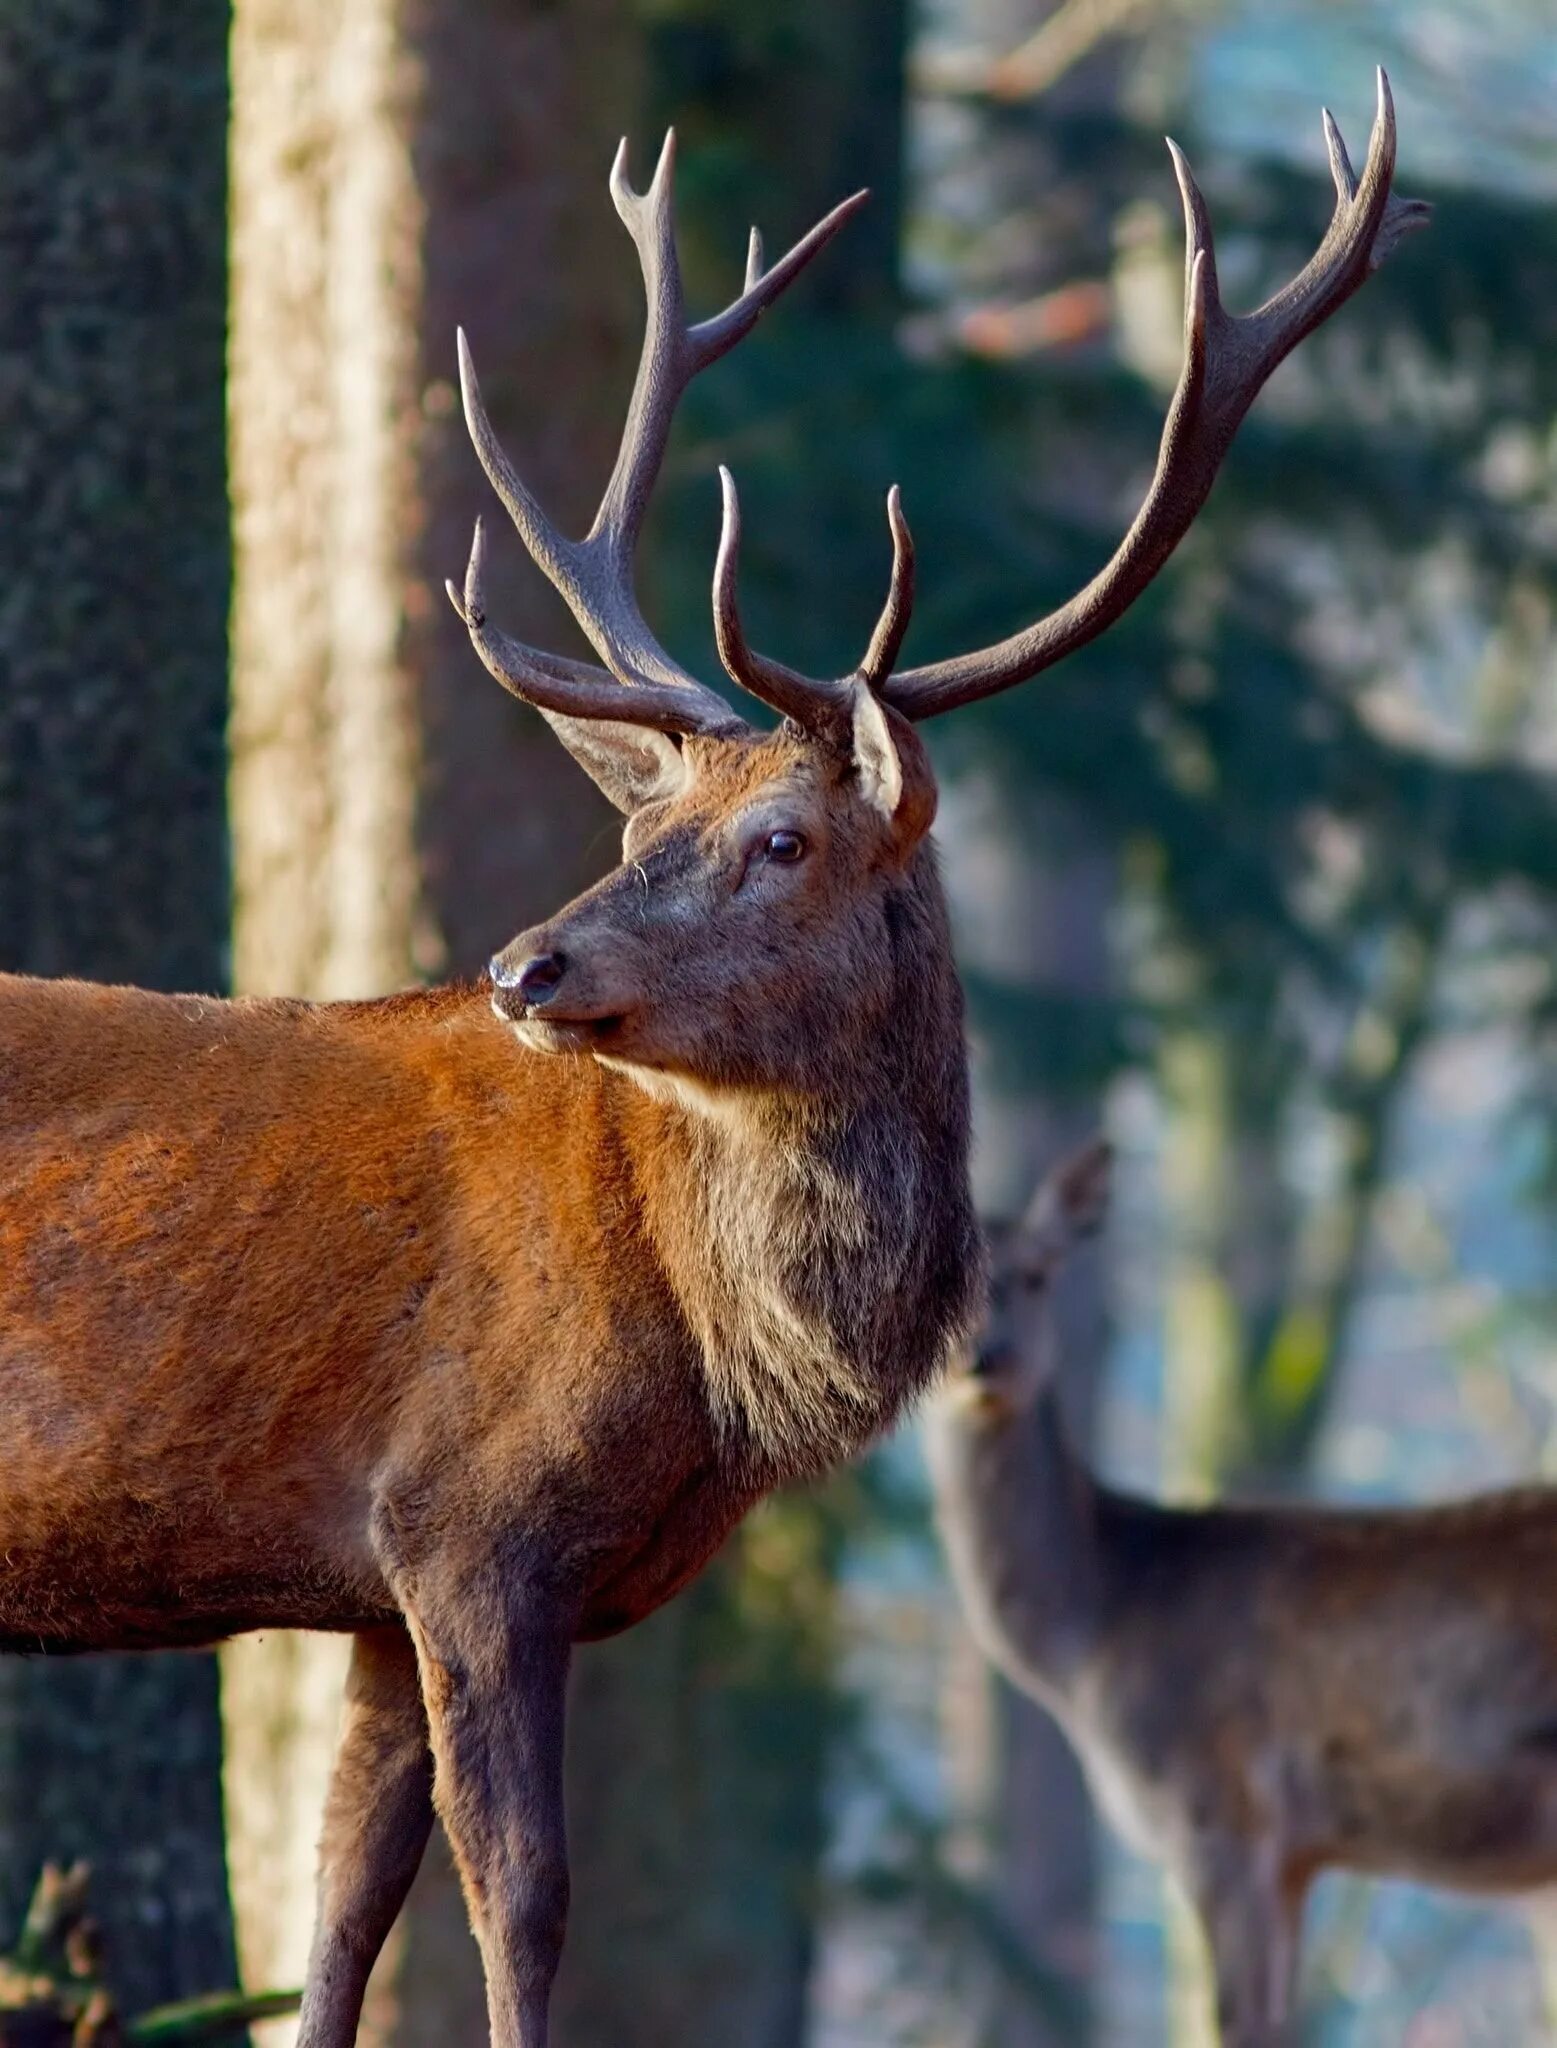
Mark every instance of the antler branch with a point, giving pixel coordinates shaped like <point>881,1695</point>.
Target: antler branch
<point>1226,361</point>
<point>641,681</point>
<point>809,700</point>
<point>577,689</point>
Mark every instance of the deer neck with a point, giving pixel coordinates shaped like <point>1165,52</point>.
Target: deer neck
<point>1019,1514</point>
<point>823,1247</point>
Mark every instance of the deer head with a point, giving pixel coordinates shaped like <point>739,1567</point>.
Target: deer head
<point>753,925</point>
<point>1018,1351</point>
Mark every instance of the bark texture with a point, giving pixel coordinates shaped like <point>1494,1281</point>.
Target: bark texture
<point>113,856</point>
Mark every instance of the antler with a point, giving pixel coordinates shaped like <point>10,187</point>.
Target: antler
<point>1226,360</point>
<point>810,700</point>
<point>640,682</point>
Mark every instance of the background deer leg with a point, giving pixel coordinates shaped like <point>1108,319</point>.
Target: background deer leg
<point>376,1822</point>
<point>494,1668</point>
<point>1251,1930</point>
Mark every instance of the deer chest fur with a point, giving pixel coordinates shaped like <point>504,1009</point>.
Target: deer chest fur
<point>826,1272</point>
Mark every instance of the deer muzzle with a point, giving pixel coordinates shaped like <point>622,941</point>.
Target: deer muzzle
<point>552,999</point>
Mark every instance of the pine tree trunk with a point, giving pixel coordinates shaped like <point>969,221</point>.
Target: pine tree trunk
<point>113,657</point>
<point>397,168</point>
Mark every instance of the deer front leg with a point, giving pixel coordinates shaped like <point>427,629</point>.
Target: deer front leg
<point>377,1818</point>
<point>1249,1918</point>
<point>493,1660</point>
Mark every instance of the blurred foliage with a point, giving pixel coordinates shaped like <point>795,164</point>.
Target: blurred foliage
<point>1309,749</point>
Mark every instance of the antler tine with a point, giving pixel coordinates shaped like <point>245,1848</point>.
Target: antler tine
<point>595,575</point>
<point>711,338</point>
<point>1367,223</point>
<point>673,353</point>
<point>1226,361</point>
<point>811,701</point>
<point>577,689</point>
<point>898,609</point>
<point>1401,216</point>
<point>805,699</point>
<point>551,550</point>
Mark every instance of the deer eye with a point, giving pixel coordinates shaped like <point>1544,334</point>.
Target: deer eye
<point>784,847</point>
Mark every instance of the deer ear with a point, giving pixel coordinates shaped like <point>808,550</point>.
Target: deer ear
<point>876,760</point>
<point>1084,1182</point>
<point>893,769</point>
<point>1071,1201</point>
<point>631,765</point>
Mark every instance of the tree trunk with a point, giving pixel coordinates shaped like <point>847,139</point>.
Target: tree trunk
<point>113,630</point>
<point>399,167</point>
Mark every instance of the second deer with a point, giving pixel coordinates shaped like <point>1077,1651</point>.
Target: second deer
<point>1256,1693</point>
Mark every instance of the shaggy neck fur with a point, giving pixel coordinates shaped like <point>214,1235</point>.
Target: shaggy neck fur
<point>824,1250</point>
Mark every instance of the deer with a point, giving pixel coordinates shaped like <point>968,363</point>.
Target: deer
<point>468,1321</point>
<point>1256,1693</point>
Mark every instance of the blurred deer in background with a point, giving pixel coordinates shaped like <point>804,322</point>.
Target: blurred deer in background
<point>470,1320</point>
<point>1255,1692</point>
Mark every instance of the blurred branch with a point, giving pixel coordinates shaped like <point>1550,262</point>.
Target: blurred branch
<point>1072,32</point>
<point>216,2018</point>
<point>54,1993</point>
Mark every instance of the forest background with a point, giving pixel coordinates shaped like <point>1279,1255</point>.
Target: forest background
<point>1265,882</point>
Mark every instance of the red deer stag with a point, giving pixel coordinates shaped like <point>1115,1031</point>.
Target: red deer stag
<point>1256,1692</point>
<point>470,1320</point>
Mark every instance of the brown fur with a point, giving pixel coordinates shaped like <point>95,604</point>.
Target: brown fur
<point>366,1315</point>
<point>1257,1692</point>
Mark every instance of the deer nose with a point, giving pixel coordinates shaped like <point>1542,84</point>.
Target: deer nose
<point>992,1361</point>
<point>532,980</point>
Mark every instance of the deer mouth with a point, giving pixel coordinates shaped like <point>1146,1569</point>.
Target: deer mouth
<point>544,1031</point>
